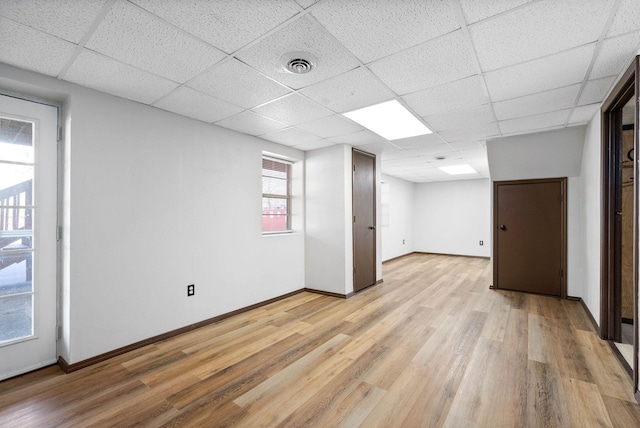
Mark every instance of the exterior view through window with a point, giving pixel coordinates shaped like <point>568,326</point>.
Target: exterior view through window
<point>276,196</point>
<point>16,232</point>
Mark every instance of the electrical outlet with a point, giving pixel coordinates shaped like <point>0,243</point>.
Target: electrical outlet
<point>403,242</point>
<point>191,289</point>
<point>481,243</point>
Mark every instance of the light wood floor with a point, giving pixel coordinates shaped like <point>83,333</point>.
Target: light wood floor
<point>431,346</point>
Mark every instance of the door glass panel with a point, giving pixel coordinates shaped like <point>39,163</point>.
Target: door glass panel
<point>16,317</point>
<point>16,276</point>
<point>16,140</point>
<point>16,229</point>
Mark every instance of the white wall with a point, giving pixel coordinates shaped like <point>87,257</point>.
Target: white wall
<point>329,240</point>
<point>156,201</point>
<point>451,217</point>
<point>547,154</point>
<point>588,286</point>
<point>398,235</point>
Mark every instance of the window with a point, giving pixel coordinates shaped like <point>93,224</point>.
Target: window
<point>276,195</point>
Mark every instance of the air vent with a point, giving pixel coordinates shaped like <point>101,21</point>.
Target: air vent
<point>441,157</point>
<point>298,62</point>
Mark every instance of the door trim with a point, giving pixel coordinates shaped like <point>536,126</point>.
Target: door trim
<point>563,244</point>
<point>627,86</point>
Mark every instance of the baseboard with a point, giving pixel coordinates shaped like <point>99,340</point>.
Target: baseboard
<point>398,257</point>
<point>68,368</point>
<point>589,314</point>
<point>452,255</point>
<point>328,293</point>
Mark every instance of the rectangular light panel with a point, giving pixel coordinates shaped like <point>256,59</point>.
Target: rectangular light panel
<point>389,120</point>
<point>457,169</point>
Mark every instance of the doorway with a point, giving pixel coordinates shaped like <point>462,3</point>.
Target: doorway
<point>619,260</point>
<point>28,201</point>
<point>530,236</point>
<point>364,219</point>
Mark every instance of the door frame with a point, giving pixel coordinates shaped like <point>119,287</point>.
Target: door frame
<point>375,219</point>
<point>55,211</point>
<point>563,249</point>
<point>627,86</point>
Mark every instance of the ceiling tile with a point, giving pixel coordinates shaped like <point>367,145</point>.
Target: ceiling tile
<point>291,137</point>
<point>452,96</point>
<point>475,10</point>
<point>360,137</point>
<point>239,84</point>
<point>430,64</point>
<point>543,74</point>
<point>556,99</point>
<point>303,35</point>
<point>135,37</point>
<point>314,145</point>
<point>461,119</point>
<point>349,91</point>
<point>396,154</point>
<point>615,55</point>
<point>33,50</point>
<point>108,75</point>
<point>537,30</point>
<point>377,148</point>
<point>330,126</point>
<point>464,145</point>
<point>251,123</point>
<point>473,153</point>
<point>595,90</point>
<point>228,25</point>
<point>431,152</point>
<point>194,104</point>
<point>371,29</point>
<point>306,3</point>
<point>584,114</point>
<point>67,19</point>
<point>534,123</point>
<point>484,131</point>
<point>627,18</point>
<point>293,109</point>
<point>419,141</point>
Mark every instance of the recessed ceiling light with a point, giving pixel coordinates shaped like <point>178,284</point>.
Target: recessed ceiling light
<point>458,169</point>
<point>390,120</point>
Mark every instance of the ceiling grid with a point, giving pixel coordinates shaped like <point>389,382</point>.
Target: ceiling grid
<point>469,70</point>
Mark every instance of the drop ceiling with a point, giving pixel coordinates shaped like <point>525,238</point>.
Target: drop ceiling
<point>470,70</point>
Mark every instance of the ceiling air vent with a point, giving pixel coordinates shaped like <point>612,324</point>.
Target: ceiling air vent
<point>298,62</point>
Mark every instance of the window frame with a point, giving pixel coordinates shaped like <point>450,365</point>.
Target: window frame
<point>288,197</point>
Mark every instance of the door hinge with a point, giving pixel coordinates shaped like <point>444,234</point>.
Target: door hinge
<point>58,233</point>
<point>59,332</point>
<point>354,168</point>
<point>354,270</point>
<point>354,219</point>
<point>60,133</point>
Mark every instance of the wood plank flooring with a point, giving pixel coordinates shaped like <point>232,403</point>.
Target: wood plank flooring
<point>431,346</point>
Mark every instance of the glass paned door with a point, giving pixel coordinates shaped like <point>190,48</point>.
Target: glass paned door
<point>28,205</point>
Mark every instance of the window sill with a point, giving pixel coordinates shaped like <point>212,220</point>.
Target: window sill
<point>281,233</point>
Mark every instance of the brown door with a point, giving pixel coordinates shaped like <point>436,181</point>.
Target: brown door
<point>529,252</point>
<point>364,220</point>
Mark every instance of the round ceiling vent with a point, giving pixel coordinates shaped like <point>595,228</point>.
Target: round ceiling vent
<point>298,62</point>
<point>440,157</point>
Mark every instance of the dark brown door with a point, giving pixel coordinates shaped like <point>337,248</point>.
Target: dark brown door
<point>529,252</point>
<point>364,220</point>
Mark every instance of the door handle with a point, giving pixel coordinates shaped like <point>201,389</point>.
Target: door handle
<point>372,228</point>
<point>503,227</point>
